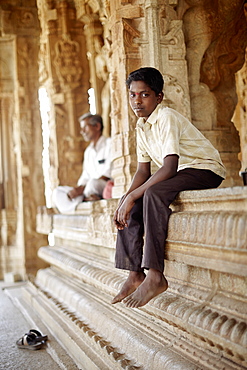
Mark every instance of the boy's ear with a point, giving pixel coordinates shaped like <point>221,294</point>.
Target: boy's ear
<point>160,97</point>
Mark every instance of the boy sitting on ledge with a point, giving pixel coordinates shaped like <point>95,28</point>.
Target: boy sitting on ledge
<point>186,161</point>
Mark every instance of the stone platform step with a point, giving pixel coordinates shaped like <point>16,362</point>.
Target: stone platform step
<point>200,322</point>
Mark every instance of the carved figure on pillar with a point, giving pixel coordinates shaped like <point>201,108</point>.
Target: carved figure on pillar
<point>68,64</point>
<point>216,38</point>
<point>103,74</point>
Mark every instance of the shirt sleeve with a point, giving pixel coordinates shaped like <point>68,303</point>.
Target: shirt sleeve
<point>108,159</point>
<point>142,155</point>
<point>170,132</point>
<point>83,179</point>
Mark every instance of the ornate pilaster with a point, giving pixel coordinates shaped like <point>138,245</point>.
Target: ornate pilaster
<point>240,117</point>
<point>146,35</point>
<point>21,139</point>
<point>215,37</point>
<point>64,73</point>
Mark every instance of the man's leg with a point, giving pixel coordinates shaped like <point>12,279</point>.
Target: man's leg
<point>156,215</point>
<point>61,200</point>
<point>157,200</point>
<point>94,189</point>
<point>129,244</point>
<point>129,249</point>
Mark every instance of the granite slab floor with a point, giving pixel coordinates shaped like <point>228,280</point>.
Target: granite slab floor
<point>13,325</point>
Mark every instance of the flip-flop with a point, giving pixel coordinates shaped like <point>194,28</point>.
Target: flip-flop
<point>38,336</point>
<point>28,342</point>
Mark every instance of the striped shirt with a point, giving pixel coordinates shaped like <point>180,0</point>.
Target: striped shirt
<point>167,132</point>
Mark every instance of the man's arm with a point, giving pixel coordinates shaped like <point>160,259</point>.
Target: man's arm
<point>168,170</point>
<point>104,178</point>
<point>76,191</point>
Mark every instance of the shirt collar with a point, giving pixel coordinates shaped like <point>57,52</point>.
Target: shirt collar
<point>151,119</point>
<point>98,144</point>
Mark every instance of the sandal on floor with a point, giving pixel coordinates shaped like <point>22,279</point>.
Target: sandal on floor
<point>38,336</point>
<point>28,342</point>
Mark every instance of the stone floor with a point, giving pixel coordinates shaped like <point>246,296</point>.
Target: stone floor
<point>13,324</point>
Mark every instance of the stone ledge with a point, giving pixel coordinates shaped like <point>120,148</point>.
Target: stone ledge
<point>216,239</point>
<point>212,199</point>
<point>194,311</point>
<point>129,333</point>
<point>220,199</point>
<point>206,258</point>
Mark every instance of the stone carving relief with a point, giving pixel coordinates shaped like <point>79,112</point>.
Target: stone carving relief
<point>26,19</point>
<point>223,58</point>
<point>67,63</point>
<point>43,61</point>
<point>129,33</point>
<point>170,57</point>
<point>102,72</point>
<point>24,52</point>
<point>215,39</point>
<point>208,40</point>
<point>175,96</point>
<point>198,34</point>
<point>240,115</point>
<point>116,103</point>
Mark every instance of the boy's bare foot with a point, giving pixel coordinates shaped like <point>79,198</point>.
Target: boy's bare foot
<point>131,284</point>
<point>154,284</point>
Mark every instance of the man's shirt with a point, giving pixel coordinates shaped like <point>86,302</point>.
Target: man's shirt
<point>167,132</point>
<point>97,161</point>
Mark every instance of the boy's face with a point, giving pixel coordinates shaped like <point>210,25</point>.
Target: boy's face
<point>142,99</point>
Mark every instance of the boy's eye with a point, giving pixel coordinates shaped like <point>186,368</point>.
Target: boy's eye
<point>142,95</point>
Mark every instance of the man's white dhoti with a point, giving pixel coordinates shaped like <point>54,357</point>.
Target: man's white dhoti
<point>61,200</point>
<point>64,204</point>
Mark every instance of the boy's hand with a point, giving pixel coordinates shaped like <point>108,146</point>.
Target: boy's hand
<point>121,215</point>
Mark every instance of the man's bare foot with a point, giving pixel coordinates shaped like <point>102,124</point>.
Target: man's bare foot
<point>92,197</point>
<point>154,284</point>
<point>131,284</point>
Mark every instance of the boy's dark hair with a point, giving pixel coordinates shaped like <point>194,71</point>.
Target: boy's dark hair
<point>93,119</point>
<point>151,76</point>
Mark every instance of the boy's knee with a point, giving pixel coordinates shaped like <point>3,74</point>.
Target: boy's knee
<point>150,192</point>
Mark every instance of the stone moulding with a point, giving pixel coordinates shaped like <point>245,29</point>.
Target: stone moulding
<point>126,334</point>
<point>200,322</point>
<point>201,317</point>
<point>86,346</point>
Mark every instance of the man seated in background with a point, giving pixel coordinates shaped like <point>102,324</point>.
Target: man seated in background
<point>96,168</point>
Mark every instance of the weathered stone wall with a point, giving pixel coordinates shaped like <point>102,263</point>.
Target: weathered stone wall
<point>240,118</point>
<point>21,139</point>
<point>92,44</point>
<point>198,46</point>
<point>67,47</point>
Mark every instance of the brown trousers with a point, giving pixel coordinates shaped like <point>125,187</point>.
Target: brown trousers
<point>150,216</point>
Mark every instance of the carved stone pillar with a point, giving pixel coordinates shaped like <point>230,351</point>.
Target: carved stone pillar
<point>95,18</point>
<point>198,46</point>
<point>21,140</point>
<point>216,37</point>
<point>144,35</point>
<point>240,117</point>
<point>125,58</point>
<point>65,74</point>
